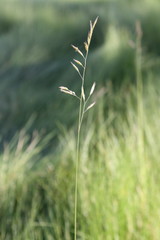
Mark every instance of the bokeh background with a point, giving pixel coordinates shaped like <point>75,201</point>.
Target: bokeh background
<point>119,171</point>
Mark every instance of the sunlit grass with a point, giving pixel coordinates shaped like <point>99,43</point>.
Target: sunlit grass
<point>119,181</point>
<point>119,195</point>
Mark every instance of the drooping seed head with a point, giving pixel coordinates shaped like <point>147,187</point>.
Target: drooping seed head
<point>67,91</point>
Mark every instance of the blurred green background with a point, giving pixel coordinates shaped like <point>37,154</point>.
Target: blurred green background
<point>35,42</point>
<point>119,173</point>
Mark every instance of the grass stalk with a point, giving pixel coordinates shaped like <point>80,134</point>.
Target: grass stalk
<point>83,108</point>
<point>81,115</point>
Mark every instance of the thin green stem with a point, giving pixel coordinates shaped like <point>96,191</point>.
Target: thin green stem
<point>82,106</point>
<point>76,181</point>
<point>80,119</point>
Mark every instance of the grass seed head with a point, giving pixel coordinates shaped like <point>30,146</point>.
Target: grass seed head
<point>90,106</point>
<point>92,89</point>
<point>86,46</point>
<point>67,91</point>
<point>75,67</point>
<point>78,62</point>
<point>77,50</point>
<point>83,94</point>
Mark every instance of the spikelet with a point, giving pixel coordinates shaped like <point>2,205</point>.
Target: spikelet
<point>86,46</point>
<point>67,91</point>
<point>83,94</point>
<point>92,89</point>
<point>77,50</point>
<point>63,88</point>
<point>76,68</point>
<point>89,37</point>
<point>90,106</point>
<point>94,24</point>
<point>78,62</point>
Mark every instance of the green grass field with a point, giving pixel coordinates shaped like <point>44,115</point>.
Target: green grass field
<point>118,197</point>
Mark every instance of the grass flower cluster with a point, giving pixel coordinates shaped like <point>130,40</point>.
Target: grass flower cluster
<point>83,107</point>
